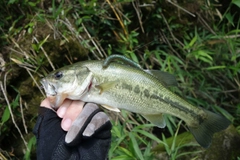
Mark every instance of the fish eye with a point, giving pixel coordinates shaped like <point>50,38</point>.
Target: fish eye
<point>58,75</point>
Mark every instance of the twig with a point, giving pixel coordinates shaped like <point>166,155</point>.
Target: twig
<point>119,12</point>
<point>11,113</point>
<point>78,36</point>
<point>205,23</point>
<point>170,45</point>
<point>5,80</point>
<point>34,81</point>
<point>230,91</point>
<point>25,104</point>
<point>50,26</point>
<point>2,157</point>
<point>232,36</point>
<point>129,125</point>
<point>119,19</point>
<point>133,119</point>
<point>238,83</point>
<point>22,51</point>
<point>146,5</point>
<point>90,37</point>
<point>69,60</point>
<point>136,7</point>
<point>23,119</point>
<point>176,5</point>
<point>103,51</point>
<point>45,53</point>
<point>21,64</point>
<point>168,27</point>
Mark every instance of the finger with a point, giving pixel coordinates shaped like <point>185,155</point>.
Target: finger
<point>63,108</point>
<point>97,121</point>
<point>46,103</point>
<point>71,114</point>
<point>80,123</point>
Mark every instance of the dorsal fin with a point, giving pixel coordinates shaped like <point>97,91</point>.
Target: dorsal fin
<point>165,77</point>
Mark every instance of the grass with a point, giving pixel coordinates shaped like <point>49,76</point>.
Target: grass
<point>203,53</point>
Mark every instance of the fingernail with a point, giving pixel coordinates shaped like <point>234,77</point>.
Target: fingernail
<point>61,112</point>
<point>66,124</point>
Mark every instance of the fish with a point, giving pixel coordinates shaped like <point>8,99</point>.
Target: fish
<point>118,83</point>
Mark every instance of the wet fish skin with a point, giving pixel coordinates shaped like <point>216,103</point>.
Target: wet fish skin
<point>120,86</point>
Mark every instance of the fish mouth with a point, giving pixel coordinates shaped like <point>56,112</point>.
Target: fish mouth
<point>49,88</point>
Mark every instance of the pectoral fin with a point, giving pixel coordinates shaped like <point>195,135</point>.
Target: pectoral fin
<point>110,108</point>
<point>156,119</point>
<point>165,77</point>
<point>106,86</point>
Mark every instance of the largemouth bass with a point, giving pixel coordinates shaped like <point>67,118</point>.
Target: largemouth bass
<point>117,86</point>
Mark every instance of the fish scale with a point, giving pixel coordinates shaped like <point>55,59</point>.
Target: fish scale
<point>137,80</point>
<point>116,85</point>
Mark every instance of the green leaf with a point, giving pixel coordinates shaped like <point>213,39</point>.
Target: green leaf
<point>31,143</point>
<point>192,42</point>
<point>134,57</point>
<point>114,147</point>
<point>236,2</point>
<point>32,4</point>
<point>43,41</point>
<point>215,67</point>
<point>35,47</point>
<point>12,1</point>
<point>127,152</point>
<point>122,157</point>
<point>6,115</point>
<point>205,60</point>
<point>79,21</point>
<point>149,135</point>
<point>136,147</point>
<point>224,112</point>
<point>30,29</point>
<point>230,18</point>
<point>204,54</point>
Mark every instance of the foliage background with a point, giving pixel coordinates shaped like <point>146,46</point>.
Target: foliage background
<point>197,41</point>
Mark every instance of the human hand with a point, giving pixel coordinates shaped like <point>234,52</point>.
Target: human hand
<point>88,135</point>
<point>68,111</point>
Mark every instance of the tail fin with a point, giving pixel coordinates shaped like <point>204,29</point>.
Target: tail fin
<point>204,132</point>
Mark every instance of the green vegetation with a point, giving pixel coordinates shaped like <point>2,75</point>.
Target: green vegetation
<point>197,41</point>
